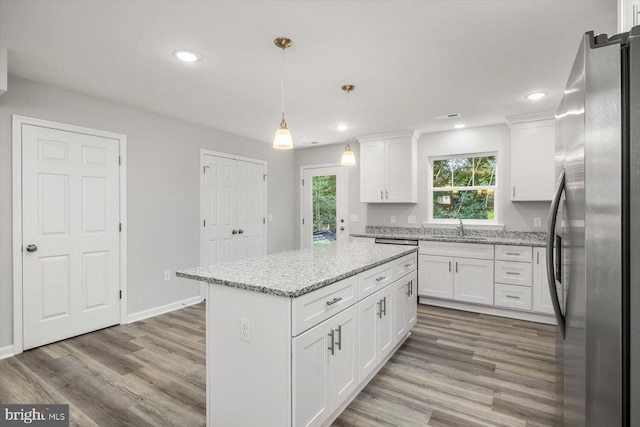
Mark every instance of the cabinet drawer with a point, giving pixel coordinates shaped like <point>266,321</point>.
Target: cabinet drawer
<point>514,253</point>
<point>405,265</point>
<point>511,296</point>
<point>459,250</point>
<point>310,309</point>
<point>375,279</point>
<point>515,273</point>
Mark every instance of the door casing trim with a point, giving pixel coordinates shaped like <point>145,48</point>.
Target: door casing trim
<point>16,208</point>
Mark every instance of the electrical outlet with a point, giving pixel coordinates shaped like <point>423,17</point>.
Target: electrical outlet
<point>411,219</point>
<point>393,219</point>
<point>167,276</point>
<point>245,329</point>
<point>537,222</point>
<point>270,217</point>
<point>354,218</point>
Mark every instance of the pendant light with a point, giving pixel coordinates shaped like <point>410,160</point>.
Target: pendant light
<point>348,158</point>
<point>282,140</point>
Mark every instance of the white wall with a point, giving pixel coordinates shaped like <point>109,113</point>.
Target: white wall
<point>515,216</point>
<point>163,189</point>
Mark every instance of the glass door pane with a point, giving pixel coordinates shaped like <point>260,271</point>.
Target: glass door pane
<point>323,194</point>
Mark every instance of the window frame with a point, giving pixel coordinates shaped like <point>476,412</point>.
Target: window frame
<point>431,190</point>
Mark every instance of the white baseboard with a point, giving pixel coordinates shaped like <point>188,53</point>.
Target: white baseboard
<point>494,311</point>
<point>145,314</point>
<point>6,351</point>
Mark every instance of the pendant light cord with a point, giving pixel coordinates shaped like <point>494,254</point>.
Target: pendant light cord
<point>282,83</point>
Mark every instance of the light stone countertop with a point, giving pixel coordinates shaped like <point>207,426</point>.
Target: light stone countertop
<point>513,238</point>
<point>294,273</point>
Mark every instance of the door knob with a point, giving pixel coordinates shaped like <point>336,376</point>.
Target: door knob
<point>32,248</point>
<point>341,228</point>
<point>240,231</point>
<point>234,231</point>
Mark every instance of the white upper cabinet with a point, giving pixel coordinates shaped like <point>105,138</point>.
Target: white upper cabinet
<point>389,168</point>
<point>532,157</point>
<point>628,14</point>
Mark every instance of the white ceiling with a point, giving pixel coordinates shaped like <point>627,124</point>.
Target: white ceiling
<point>410,60</point>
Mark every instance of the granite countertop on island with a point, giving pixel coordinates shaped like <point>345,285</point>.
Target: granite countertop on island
<point>294,273</point>
<point>514,238</point>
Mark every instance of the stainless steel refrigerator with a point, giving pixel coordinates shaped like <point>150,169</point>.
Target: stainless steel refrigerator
<point>593,248</point>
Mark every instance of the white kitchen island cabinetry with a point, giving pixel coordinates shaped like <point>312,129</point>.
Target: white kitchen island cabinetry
<point>288,335</point>
<point>532,157</point>
<point>389,168</point>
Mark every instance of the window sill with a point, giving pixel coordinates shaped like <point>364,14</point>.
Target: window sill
<point>467,225</point>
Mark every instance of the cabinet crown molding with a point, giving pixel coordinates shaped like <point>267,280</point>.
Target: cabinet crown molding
<point>390,135</point>
<point>533,117</point>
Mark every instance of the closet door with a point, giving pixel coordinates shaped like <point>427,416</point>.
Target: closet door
<point>250,221</point>
<point>219,209</point>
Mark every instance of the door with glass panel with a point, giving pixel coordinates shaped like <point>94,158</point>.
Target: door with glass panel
<point>324,206</point>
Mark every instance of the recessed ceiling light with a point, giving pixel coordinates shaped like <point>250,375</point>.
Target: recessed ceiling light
<point>342,127</point>
<point>187,55</point>
<point>459,126</point>
<point>449,116</point>
<point>536,95</point>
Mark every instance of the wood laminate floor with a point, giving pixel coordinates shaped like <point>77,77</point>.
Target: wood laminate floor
<point>457,369</point>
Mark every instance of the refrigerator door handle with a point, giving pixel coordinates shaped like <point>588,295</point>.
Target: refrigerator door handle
<point>551,278</point>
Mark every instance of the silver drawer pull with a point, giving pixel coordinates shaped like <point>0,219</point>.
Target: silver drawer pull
<point>513,253</point>
<point>380,278</point>
<point>408,265</point>
<point>384,306</point>
<point>333,301</point>
<point>512,296</point>
<point>513,272</point>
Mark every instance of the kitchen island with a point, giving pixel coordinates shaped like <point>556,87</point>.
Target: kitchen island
<point>293,337</point>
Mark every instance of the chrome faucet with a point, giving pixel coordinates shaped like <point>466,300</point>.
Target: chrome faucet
<point>461,228</point>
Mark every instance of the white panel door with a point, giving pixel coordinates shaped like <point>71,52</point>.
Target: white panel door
<point>541,296</point>
<point>311,377</point>
<point>473,280</point>
<point>436,276</point>
<point>250,209</point>
<point>372,167</point>
<point>71,256</point>
<point>386,322</point>
<point>400,301</point>
<point>219,199</point>
<point>412,304</point>
<point>368,342</point>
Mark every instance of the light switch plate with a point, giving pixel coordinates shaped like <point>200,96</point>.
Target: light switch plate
<point>167,276</point>
<point>411,219</point>
<point>393,219</point>
<point>270,217</point>
<point>245,329</point>
<point>537,222</point>
<point>354,218</point>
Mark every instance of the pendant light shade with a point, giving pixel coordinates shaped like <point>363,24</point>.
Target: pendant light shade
<point>282,140</point>
<point>348,158</point>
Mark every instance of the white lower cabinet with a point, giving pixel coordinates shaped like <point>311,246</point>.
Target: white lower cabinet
<point>461,279</point>
<point>473,280</point>
<point>376,329</point>
<point>541,295</point>
<point>325,368</point>
<point>405,305</point>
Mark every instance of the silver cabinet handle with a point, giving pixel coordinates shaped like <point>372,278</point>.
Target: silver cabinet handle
<point>512,296</point>
<point>381,195</point>
<point>411,287</point>
<point>513,253</point>
<point>332,347</point>
<point>408,289</point>
<point>333,301</point>
<point>538,257</point>
<point>514,191</point>
<point>381,278</point>
<point>456,266</point>
<point>234,231</point>
<point>449,266</point>
<point>512,272</point>
<point>407,265</point>
<point>386,193</point>
<point>379,304</point>
<point>339,340</point>
<point>384,306</point>
<point>32,248</point>
<point>240,231</point>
